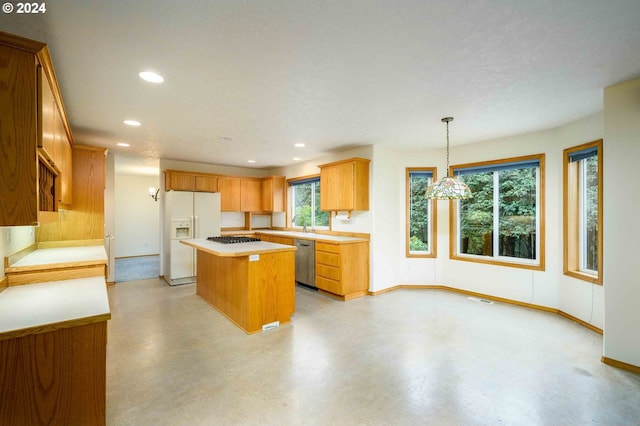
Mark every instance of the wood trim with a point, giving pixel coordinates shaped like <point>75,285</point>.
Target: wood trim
<point>621,365</point>
<point>487,296</point>
<point>21,43</point>
<point>16,256</point>
<point>346,160</point>
<point>4,283</point>
<point>453,242</point>
<point>47,66</point>
<point>35,276</point>
<point>571,233</point>
<point>433,240</point>
<point>70,243</point>
<point>46,328</point>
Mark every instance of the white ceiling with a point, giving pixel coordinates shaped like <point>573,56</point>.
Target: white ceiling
<point>330,74</point>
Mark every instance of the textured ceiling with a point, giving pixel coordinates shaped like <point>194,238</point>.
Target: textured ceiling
<point>329,74</point>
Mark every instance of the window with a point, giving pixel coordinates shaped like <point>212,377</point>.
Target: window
<point>583,211</point>
<point>304,207</point>
<point>504,221</point>
<point>421,217</point>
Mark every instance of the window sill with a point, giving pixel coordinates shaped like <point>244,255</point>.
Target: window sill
<point>593,279</point>
<point>493,261</point>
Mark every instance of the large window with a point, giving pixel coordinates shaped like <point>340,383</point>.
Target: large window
<point>503,222</point>
<point>304,196</point>
<point>583,211</point>
<point>421,216</point>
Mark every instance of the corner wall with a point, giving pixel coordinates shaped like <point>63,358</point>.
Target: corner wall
<point>621,226</point>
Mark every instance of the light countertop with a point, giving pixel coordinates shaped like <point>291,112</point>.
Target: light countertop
<point>312,236</point>
<point>238,249</point>
<point>61,256</point>
<point>37,308</point>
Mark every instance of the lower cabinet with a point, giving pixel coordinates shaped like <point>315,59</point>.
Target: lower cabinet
<point>343,269</point>
<point>55,377</point>
<point>276,239</point>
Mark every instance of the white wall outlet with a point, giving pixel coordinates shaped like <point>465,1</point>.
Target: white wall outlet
<point>254,257</point>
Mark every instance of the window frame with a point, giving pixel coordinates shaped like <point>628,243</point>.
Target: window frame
<point>454,214</point>
<point>573,211</point>
<point>432,214</point>
<point>290,183</point>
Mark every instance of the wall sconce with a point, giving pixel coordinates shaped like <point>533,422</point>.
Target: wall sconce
<point>153,193</point>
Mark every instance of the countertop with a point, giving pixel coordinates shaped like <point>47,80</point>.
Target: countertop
<point>313,236</point>
<point>38,308</point>
<point>60,257</point>
<point>236,250</point>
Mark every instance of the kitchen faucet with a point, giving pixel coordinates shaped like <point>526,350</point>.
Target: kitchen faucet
<point>304,218</point>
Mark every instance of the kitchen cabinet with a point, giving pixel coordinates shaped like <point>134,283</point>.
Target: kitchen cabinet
<point>53,353</point>
<point>178,181</point>
<point>276,239</point>
<point>273,194</point>
<point>343,269</point>
<point>250,195</point>
<point>25,70</point>
<point>206,183</point>
<point>175,180</point>
<point>344,185</point>
<point>229,189</point>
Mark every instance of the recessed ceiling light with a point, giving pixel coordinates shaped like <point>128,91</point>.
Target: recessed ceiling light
<point>251,161</point>
<point>299,145</point>
<point>296,158</point>
<point>123,144</point>
<point>133,123</point>
<point>151,77</point>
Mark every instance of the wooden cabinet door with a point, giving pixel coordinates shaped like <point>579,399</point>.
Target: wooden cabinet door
<point>336,187</point>
<point>273,194</point>
<point>206,183</point>
<point>177,181</point>
<point>250,195</point>
<point>47,114</point>
<point>63,159</point>
<point>18,162</point>
<point>229,189</point>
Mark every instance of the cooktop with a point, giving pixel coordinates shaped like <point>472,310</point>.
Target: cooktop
<point>233,240</point>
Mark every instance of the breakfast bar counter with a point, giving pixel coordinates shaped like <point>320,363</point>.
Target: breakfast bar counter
<point>252,283</point>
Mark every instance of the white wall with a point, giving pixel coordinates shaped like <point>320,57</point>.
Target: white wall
<point>621,226</point>
<point>548,288</point>
<point>137,216</point>
<point>13,239</point>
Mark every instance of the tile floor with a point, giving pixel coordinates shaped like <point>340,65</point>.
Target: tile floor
<point>406,357</point>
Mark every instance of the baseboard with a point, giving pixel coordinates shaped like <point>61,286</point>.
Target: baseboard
<point>494,298</point>
<point>138,255</point>
<point>621,365</point>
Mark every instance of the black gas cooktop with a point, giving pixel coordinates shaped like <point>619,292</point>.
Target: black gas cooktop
<point>233,240</point>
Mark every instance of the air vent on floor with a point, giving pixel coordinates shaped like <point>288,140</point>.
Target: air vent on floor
<point>271,325</point>
<point>477,299</point>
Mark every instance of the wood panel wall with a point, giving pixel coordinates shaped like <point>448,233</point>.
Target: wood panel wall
<point>85,220</point>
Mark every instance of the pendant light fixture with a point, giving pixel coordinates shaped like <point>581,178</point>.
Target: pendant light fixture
<point>448,188</point>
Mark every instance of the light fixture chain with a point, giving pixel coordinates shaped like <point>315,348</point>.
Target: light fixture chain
<point>447,148</point>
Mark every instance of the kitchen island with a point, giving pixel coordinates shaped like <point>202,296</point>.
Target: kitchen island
<point>252,284</point>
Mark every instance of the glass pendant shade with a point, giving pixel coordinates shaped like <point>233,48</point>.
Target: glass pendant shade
<point>448,188</point>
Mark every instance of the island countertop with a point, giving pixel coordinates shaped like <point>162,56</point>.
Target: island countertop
<point>236,250</point>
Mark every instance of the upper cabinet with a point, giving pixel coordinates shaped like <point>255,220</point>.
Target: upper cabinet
<point>344,185</point>
<point>273,194</point>
<point>250,195</point>
<point>229,188</point>
<point>35,165</point>
<point>237,193</point>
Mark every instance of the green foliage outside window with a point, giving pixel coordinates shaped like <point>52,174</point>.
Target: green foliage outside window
<point>516,212</point>
<point>306,198</point>
<point>418,212</point>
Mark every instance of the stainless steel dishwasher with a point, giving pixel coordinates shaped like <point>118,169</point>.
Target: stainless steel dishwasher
<point>305,262</point>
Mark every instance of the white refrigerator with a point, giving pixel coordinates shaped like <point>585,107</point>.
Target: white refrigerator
<point>187,215</point>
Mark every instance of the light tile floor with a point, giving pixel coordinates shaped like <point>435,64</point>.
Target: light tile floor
<point>406,357</point>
